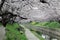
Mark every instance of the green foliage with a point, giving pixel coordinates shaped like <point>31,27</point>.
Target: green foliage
<point>33,23</point>
<point>13,34</point>
<point>40,24</point>
<point>48,24</point>
<point>54,25</point>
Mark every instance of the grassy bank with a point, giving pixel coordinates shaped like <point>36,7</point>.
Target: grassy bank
<point>13,33</point>
<point>46,24</point>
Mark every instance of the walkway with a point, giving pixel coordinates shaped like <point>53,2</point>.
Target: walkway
<point>29,34</point>
<point>2,32</point>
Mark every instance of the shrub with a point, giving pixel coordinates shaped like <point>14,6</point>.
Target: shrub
<point>13,34</point>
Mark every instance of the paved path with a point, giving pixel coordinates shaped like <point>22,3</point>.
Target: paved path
<point>30,35</point>
<point>2,32</point>
<point>52,32</point>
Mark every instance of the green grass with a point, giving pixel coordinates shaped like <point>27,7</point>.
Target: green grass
<point>46,24</point>
<point>13,34</point>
